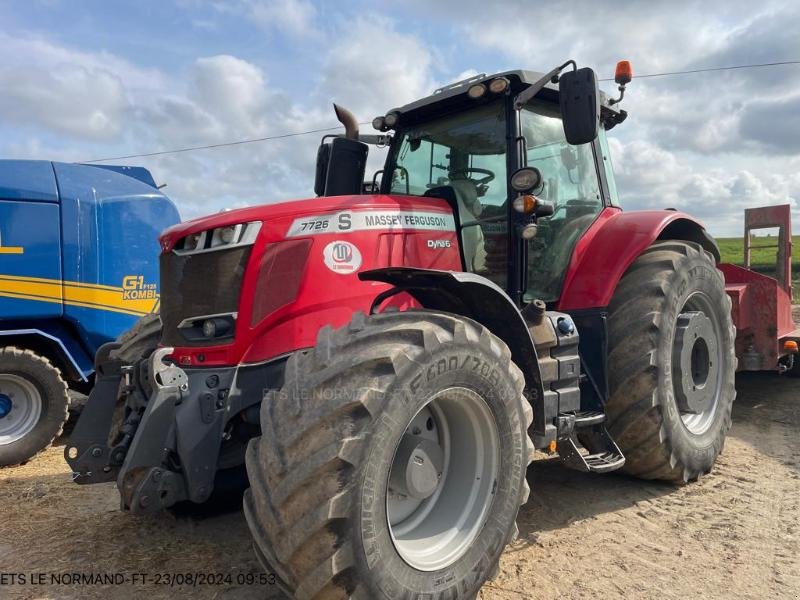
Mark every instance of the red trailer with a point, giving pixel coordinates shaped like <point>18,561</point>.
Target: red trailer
<point>766,336</point>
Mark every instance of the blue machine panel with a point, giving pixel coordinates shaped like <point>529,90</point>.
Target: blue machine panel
<point>28,180</point>
<point>30,260</point>
<point>110,253</point>
<point>78,252</point>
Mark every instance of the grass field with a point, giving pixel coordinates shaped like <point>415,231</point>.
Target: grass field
<point>763,259</point>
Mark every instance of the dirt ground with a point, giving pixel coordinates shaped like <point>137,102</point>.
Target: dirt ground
<point>735,534</point>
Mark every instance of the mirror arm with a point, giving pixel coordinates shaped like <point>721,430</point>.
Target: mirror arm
<point>524,96</point>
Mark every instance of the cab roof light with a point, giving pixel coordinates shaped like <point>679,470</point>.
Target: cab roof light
<point>391,119</point>
<point>622,76</point>
<point>476,91</point>
<point>379,124</point>
<point>498,85</point>
<point>623,73</point>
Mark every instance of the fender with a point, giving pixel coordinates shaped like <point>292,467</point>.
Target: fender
<point>479,299</point>
<point>69,356</point>
<point>613,242</point>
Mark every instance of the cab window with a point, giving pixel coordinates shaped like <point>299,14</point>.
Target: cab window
<point>466,152</point>
<point>571,184</point>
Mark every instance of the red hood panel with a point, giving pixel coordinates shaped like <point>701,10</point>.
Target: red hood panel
<point>272,213</point>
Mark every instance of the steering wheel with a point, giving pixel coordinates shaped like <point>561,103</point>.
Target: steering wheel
<point>489,175</point>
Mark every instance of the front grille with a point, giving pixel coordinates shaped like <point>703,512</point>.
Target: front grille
<point>194,285</point>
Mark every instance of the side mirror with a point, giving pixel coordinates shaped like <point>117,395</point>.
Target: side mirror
<point>340,167</point>
<point>580,105</point>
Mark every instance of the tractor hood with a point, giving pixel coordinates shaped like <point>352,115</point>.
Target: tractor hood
<point>274,217</point>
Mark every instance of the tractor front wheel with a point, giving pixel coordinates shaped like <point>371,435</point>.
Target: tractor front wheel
<point>671,363</point>
<point>392,462</point>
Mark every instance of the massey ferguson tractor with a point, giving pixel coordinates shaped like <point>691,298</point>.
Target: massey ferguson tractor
<point>385,359</point>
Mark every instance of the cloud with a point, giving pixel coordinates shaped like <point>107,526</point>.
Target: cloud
<point>289,16</point>
<point>374,68</point>
<point>50,87</point>
<point>774,124</point>
<point>707,143</point>
<point>74,100</point>
<point>651,177</point>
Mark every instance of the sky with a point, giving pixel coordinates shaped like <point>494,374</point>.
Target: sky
<point>93,79</point>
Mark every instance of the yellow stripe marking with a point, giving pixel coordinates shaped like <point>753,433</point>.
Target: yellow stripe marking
<point>11,249</point>
<point>101,297</point>
<point>59,281</point>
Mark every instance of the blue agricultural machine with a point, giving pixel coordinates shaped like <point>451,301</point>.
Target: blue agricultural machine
<point>78,266</point>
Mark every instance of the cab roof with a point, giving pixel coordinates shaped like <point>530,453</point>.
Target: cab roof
<point>452,96</point>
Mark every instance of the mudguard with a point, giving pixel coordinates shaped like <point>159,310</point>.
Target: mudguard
<point>479,299</point>
<point>65,352</point>
<point>613,242</point>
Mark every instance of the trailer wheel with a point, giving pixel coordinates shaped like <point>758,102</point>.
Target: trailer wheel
<point>392,462</point>
<point>671,363</point>
<point>33,405</point>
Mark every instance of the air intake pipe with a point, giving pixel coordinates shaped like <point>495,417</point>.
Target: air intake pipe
<point>349,121</point>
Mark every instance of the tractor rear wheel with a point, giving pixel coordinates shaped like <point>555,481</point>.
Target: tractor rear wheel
<point>33,404</point>
<point>392,462</point>
<point>671,363</point>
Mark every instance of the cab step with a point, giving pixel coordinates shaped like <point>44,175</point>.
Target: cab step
<point>587,428</point>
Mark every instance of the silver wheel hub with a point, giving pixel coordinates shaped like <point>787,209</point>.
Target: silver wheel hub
<point>696,363</point>
<point>20,407</point>
<point>417,467</point>
<point>442,479</point>
<point>695,349</point>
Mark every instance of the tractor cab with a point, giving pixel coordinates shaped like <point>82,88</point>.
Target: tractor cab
<point>525,170</point>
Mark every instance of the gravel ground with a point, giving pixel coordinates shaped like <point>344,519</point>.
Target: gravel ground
<point>734,534</point>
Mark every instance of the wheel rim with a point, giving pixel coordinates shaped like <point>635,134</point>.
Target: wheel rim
<point>20,407</point>
<point>697,363</point>
<point>436,505</point>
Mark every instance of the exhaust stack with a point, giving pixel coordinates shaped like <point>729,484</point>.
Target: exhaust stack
<point>349,121</point>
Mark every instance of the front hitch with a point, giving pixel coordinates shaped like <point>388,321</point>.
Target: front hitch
<point>144,485</point>
<point>88,452</point>
<point>98,453</point>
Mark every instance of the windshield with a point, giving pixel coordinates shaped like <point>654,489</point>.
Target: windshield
<point>466,152</point>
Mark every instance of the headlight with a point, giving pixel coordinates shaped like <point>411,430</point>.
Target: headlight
<point>230,236</point>
<point>208,327</point>
<point>191,242</point>
<point>526,179</point>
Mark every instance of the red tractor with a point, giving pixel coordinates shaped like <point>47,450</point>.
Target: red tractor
<point>385,359</point>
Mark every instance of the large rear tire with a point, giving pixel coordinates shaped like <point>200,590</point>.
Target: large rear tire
<point>671,363</point>
<point>33,405</point>
<point>353,493</point>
